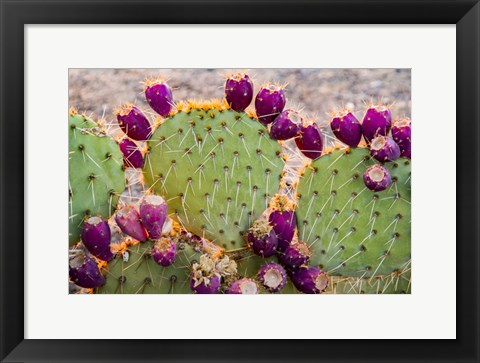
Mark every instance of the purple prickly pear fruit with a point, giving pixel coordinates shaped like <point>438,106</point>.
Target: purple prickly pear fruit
<point>96,238</point>
<point>295,256</point>
<point>272,276</point>
<point>286,125</point>
<point>204,278</point>
<point>134,123</point>
<point>159,96</point>
<point>377,178</point>
<point>212,287</point>
<point>309,279</point>
<point>128,220</point>
<point>132,156</point>
<point>402,134</point>
<point>347,128</point>
<point>376,122</point>
<point>239,91</point>
<point>164,252</point>
<point>262,238</point>
<point>84,272</point>
<point>283,220</point>
<point>153,213</point>
<point>269,102</point>
<point>384,148</point>
<point>310,141</point>
<point>244,286</point>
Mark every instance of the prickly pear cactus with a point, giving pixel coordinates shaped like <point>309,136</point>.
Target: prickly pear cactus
<point>96,174</point>
<point>134,271</point>
<point>340,225</point>
<point>216,167</point>
<point>351,230</point>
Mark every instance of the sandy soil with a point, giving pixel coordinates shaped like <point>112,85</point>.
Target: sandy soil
<point>315,91</point>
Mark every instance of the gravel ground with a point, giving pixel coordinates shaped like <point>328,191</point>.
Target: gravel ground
<point>315,91</point>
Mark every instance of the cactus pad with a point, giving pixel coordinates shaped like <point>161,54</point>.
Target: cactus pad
<point>140,274</point>
<point>96,175</point>
<point>216,168</point>
<point>395,283</point>
<point>351,230</point>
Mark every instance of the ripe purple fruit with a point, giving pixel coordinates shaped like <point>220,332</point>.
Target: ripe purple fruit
<point>310,141</point>
<point>269,102</point>
<point>239,91</point>
<point>309,279</point>
<point>159,96</point>
<point>376,122</point>
<point>377,178</point>
<point>286,125</point>
<point>153,213</point>
<point>244,286</point>
<point>204,278</point>
<point>164,251</point>
<point>262,238</point>
<point>283,220</point>
<point>384,148</point>
<point>96,238</point>
<point>128,220</point>
<point>84,272</point>
<point>204,287</point>
<point>402,134</point>
<point>132,156</point>
<point>272,276</point>
<point>134,123</point>
<point>347,128</point>
<point>295,256</point>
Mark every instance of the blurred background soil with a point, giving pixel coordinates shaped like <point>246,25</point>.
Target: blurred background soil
<point>314,91</point>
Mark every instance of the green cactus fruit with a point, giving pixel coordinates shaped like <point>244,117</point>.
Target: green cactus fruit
<point>140,274</point>
<point>395,283</point>
<point>217,169</point>
<point>96,174</point>
<point>351,230</point>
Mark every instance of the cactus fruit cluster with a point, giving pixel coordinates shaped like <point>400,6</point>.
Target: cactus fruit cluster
<point>218,207</point>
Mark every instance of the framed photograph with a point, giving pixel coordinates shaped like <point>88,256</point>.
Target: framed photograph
<point>269,158</point>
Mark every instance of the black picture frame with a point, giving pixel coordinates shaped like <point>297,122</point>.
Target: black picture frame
<point>16,14</point>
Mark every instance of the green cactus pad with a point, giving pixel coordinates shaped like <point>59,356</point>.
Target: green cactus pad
<point>96,175</point>
<point>395,283</point>
<point>351,230</point>
<point>217,169</point>
<point>142,275</point>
